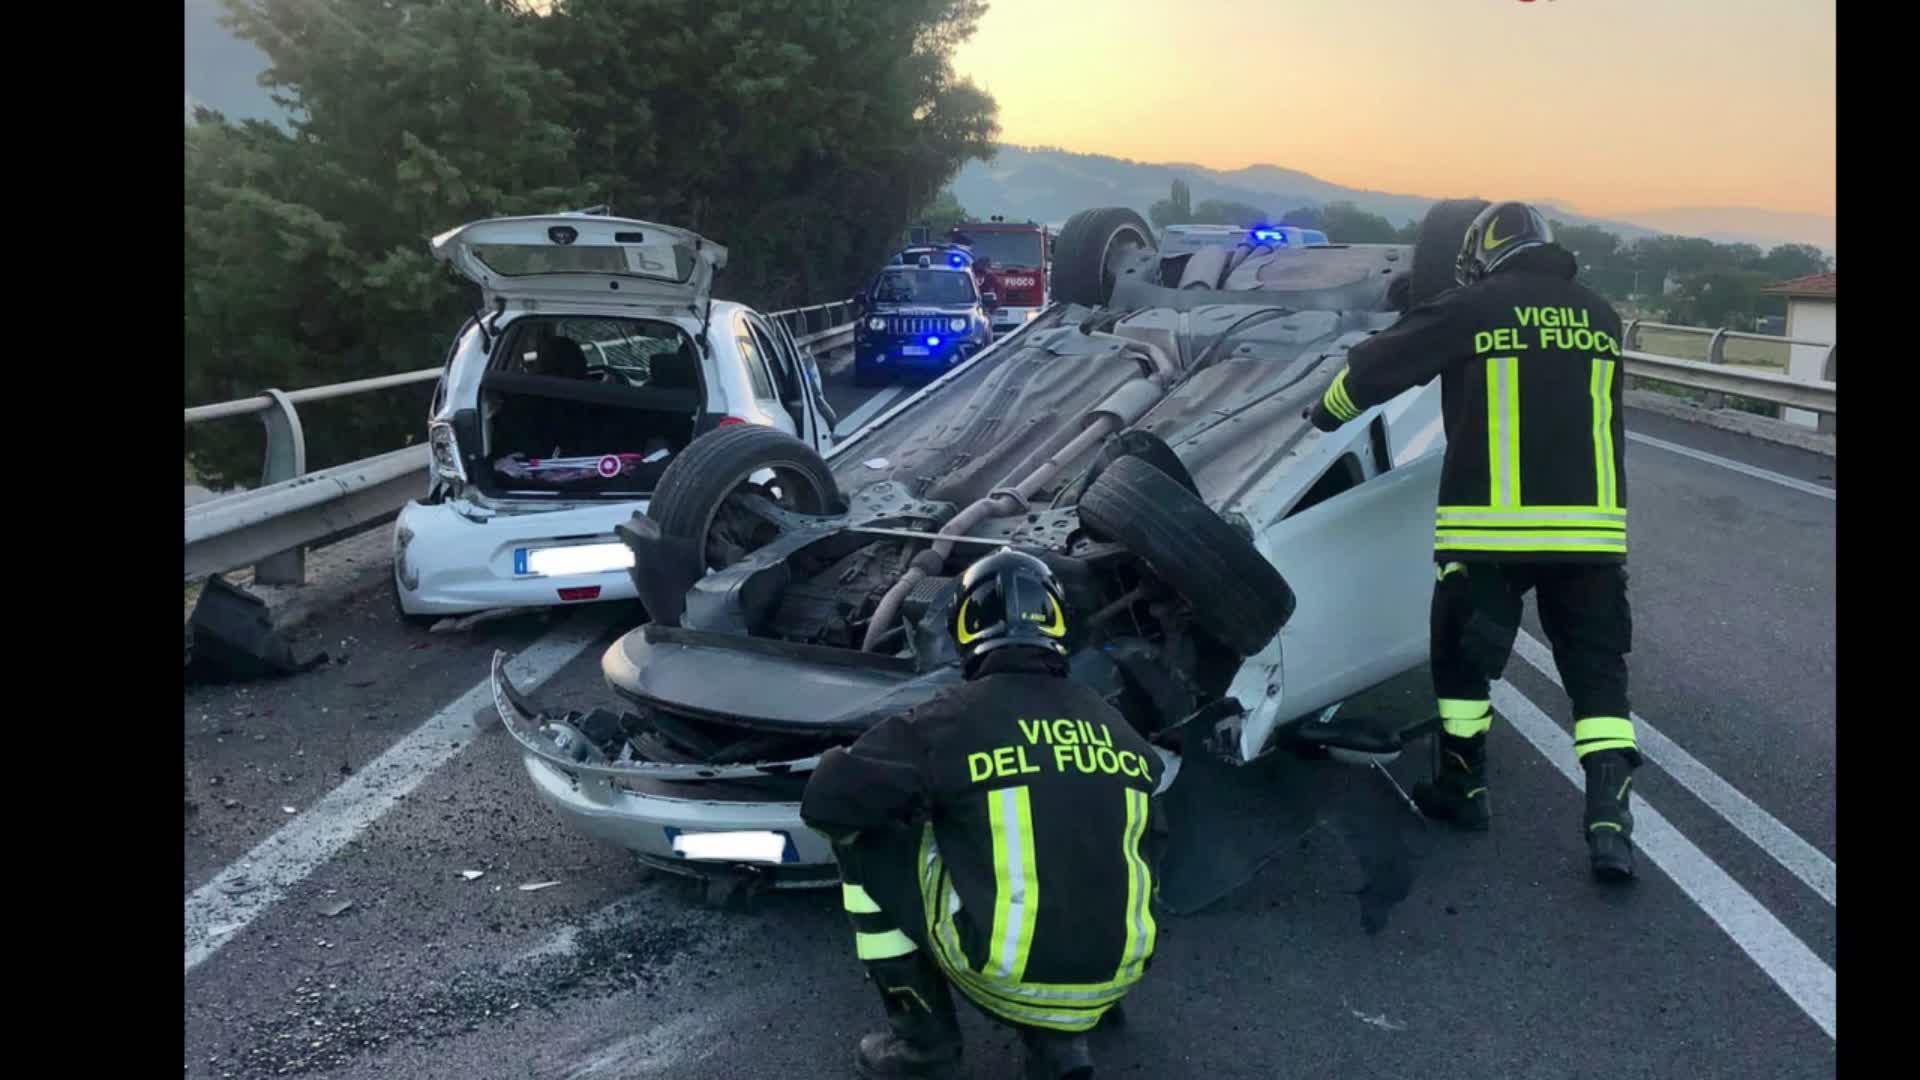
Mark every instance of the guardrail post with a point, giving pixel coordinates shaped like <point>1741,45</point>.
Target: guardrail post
<point>1716,355</point>
<point>1825,421</point>
<point>286,459</point>
<point>1630,339</point>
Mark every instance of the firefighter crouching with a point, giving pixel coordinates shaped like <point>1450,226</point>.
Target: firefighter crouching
<point>1533,496</point>
<point>993,840</point>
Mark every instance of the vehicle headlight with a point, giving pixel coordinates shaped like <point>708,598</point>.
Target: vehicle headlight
<point>956,325</point>
<point>1032,315</point>
<point>876,325</point>
<point>446,453</point>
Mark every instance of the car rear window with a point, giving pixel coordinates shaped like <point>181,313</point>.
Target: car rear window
<point>630,352</point>
<point>661,262</point>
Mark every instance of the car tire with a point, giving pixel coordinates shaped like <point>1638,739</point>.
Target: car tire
<point>1437,245</point>
<point>696,483</point>
<point>1082,254</point>
<point>1236,594</point>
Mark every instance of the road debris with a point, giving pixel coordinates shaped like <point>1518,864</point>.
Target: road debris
<point>468,622</point>
<point>334,910</point>
<point>536,886</point>
<point>234,639</point>
<point>472,875</point>
<point>288,810</point>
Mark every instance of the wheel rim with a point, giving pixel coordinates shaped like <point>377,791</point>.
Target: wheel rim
<point>731,532</point>
<point>1122,244</point>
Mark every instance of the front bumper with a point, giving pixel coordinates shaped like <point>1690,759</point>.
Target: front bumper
<point>454,558</point>
<point>644,807</point>
<point>888,353</point>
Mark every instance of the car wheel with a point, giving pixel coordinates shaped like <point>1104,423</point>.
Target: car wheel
<point>1093,247</point>
<point>1235,593</point>
<point>690,503</point>
<point>1437,245</point>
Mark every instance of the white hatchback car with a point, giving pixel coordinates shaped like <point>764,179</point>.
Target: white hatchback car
<point>598,356</point>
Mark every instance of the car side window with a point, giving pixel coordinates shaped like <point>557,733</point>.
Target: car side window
<point>756,365</point>
<point>786,362</point>
<point>770,360</point>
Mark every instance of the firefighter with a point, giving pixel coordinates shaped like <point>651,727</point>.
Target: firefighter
<point>993,840</point>
<point>1533,497</point>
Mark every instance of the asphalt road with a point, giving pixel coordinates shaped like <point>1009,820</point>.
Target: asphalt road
<point>1506,961</point>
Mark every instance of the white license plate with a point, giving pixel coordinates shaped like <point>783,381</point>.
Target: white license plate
<point>757,846</point>
<point>914,350</point>
<point>571,559</point>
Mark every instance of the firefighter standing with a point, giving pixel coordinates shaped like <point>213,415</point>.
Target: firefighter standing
<point>1532,497</point>
<point>993,839</point>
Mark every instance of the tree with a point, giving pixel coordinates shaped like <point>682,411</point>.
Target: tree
<point>1788,261</point>
<point>1225,212</point>
<point>1344,223</point>
<point>1176,209</point>
<point>803,135</point>
<point>944,213</point>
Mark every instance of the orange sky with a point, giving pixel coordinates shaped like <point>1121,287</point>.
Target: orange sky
<point>1604,105</point>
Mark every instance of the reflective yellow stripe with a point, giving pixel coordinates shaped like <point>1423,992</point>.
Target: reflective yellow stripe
<point>1503,430</point>
<point>1603,432</point>
<point>1337,400</point>
<point>855,900</point>
<point>1016,900</point>
<point>1595,733</point>
<point>1532,517</point>
<point>882,946</point>
<point>1608,542</point>
<point>1464,718</point>
<point>1141,929</point>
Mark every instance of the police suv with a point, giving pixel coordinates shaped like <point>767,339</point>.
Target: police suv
<point>923,313</point>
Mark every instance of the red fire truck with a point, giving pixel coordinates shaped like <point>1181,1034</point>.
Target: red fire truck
<point>1009,261</point>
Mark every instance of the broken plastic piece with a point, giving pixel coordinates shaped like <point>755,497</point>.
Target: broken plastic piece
<point>472,875</point>
<point>332,910</point>
<point>536,886</point>
<point>875,463</point>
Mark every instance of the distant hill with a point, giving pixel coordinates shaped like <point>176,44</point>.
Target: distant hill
<point>1048,185</point>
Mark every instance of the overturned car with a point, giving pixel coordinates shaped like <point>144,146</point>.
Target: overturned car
<point>1235,575</point>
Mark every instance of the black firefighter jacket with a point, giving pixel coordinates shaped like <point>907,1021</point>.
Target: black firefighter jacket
<point>1530,382</point>
<point>1026,796</point>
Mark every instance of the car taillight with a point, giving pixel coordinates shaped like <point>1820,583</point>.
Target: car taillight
<point>584,592</point>
<point>445,450</point>
<point>730,421</point>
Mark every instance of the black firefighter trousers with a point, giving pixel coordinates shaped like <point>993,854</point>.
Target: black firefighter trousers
<point>1589,624</point>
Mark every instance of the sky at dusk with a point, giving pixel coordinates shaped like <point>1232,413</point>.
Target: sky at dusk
<point>1608,106</point>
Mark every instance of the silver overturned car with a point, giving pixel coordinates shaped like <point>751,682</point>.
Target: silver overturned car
<point>1235,574</point>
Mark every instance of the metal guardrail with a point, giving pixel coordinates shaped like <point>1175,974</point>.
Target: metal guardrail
<point>1720,379</point>
<point>270,526</point>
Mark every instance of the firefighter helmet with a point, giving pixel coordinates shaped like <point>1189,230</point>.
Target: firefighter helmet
<point>1496,235</point>
<point>1009,598</point>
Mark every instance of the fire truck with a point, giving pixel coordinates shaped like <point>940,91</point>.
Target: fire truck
<point>1010,261</point>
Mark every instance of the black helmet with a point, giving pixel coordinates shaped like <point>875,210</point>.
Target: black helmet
<point>1009,598</point>
<point>1496,235</point>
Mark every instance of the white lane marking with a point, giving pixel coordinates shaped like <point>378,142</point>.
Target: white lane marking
<point>855,420</point>
<point>1737,466</point>
<point>216,911</point>
<point>1801,859</point>
<point>1784,957</point>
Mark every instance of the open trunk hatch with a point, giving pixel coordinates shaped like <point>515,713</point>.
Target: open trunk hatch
<point>583,258</point>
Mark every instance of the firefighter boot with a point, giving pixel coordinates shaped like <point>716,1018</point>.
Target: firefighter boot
<point>1458,791</point>
<point>1056,1055</point>
<point>923,1035</point>
<point>1609,822</point>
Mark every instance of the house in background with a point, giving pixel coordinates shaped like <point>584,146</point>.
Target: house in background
<point>1811,307</point>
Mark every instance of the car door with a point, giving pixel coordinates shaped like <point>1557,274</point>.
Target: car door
<point>821,419</point>
<point>1360,562</point>
<point>757,353</point>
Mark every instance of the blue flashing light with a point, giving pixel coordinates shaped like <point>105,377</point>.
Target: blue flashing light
<point>932,342</point>
<point>1267,234</point>
<point>956,260</point>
